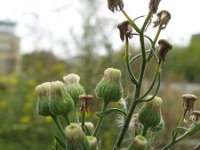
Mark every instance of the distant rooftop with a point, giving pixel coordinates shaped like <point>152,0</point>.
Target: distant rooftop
<point>7,26</point>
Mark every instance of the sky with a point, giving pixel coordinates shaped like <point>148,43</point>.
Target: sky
<point>39,22</point>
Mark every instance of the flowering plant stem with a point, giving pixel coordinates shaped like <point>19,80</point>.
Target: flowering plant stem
<point>99,124</point>
<point>59,126</point>
<point>83,121</point>
<point>139,82</point>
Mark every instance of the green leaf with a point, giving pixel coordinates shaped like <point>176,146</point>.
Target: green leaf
<point>111,110</point>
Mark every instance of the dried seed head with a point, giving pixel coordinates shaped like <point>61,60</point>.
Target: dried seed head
<point>163,19</point>
<point>115,5</point>
<point>164,47</point>
<point>188,101</point>
<point>85,102</point>
<point>125,30</point>
<point>195,116</point>
<point>153,5</point>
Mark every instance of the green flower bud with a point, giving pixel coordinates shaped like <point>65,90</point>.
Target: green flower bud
<point>43,103</point>
<point>73,87</point>
<point>76,138</point>
<point>61,101</point>
<point>89,126</point>
<point>53,100</point>
<point>109,88</point>
<point>139,143</point>
<point>92,142</point>
<point>150,113</point>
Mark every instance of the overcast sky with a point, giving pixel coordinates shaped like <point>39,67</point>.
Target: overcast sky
<point>51,19</point>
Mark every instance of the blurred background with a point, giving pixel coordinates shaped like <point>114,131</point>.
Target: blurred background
<point>45,40</point>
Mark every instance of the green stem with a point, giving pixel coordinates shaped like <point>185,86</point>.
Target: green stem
<point>100,122</point>
<point>149,15</point>
<point>138,86</point>
<point>174,139</point>
<point>156,73</point>
<point>145,131</point>
<point>125,127</point>
<point>153,44</point>
<point>132,77</point>
<point>58,124</point>
<point>131,21</point>
<point>66,119</point>
<point>180,123</point>
<point>83,121</point>
<point>76,115</point>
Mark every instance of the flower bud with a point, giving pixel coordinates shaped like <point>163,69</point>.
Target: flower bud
<point>188,101</point>
<point>163,49</point>
<point>125,30</point>
<point>92,142</point>
<point>115,5</point>
<point>109,88</point>
<point>195,116</point>
<point>43,103</point>
<point>89,126</point>
<point>61,102</point>
<point>139,143</point>
<point>73,87</point>
<point>150,113</point>
<point>161,125</point>
<point>153,5</point>
<point>163,18</point>
<point>53,100</point>
<point>76,138</point>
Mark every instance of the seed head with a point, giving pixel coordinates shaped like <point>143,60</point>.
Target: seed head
<point>85,102</point>
<point>115,5</point>
<point>188,101</point>
<point>153,5</point>
<point>125,30</point>
<point>163,18</point>
<point>163,49</point>
<point>195,116</point>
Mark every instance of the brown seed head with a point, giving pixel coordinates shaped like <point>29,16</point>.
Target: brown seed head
<point>188,101</point>
<point>153,5</point>
<point>85,102</point>
<point>195,116</point>
<point>163,18</point>
<point>164,47</point>
<point>115,5</point>
<point>125,30</point>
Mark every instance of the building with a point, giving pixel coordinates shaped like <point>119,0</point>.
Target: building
<point>9,48</point>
